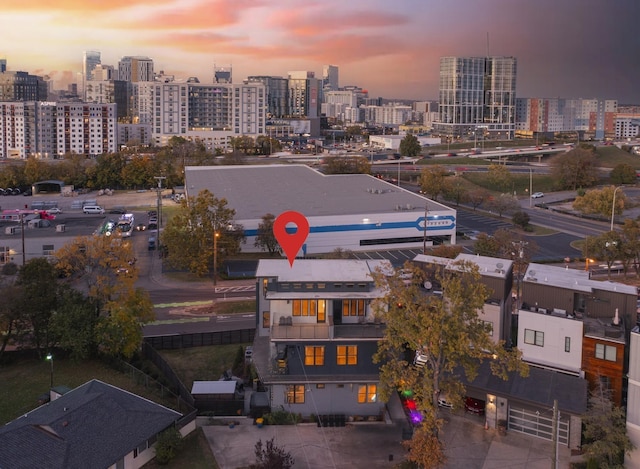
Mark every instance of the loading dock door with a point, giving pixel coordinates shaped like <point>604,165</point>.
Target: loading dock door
<point>536,423</point>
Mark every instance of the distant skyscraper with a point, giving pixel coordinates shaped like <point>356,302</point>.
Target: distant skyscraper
<point>3,65</point>
<point>90,61</point>
<point>135,69</point>
<point>477,93</point>
<point>276,89</point>
<point>304,93</point>
<point>330,78</point>
<point>222,74</point>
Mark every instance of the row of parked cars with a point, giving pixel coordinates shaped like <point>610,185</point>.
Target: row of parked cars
<point>12,191</point>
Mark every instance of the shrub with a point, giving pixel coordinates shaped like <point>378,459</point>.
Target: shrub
<point>9,269</point>
<point>270,456</point>
<point>168,445</point>
<point>281,417</point>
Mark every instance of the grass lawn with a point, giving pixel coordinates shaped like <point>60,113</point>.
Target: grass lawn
<point>236,307</point>
<point>609,157</point>
<point>201,363</point>
<point>195,454</point>
<point>24,380</point>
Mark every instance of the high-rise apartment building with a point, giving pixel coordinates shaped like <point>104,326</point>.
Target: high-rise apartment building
<point>20,86</point>
<point>3,65</point>
<point>276,94</point>
<point>86,129</point>
<point>304,93</point>
<point>223,74</point>
<point>330,78</point>
<point>477,92</point>
<point>135,69</point>
<point>90,60</point>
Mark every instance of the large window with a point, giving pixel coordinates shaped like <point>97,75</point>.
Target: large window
<point>295,394</point>
<point>367,393</point>
<point>606,352</point>
<point>313,356</point>
<point>347,355</point>
<point>534,337</point>
<point>266,319</point>
<point>309,307</point>
<point>353,308</point>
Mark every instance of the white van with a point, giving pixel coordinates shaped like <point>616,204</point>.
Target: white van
<point>92,209</point>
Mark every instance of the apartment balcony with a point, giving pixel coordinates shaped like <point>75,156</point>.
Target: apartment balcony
<point>287,330</point>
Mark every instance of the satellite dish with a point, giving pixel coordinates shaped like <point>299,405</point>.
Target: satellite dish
<point>499,265</point>
<point>532,273</point>
<point>427,285</point>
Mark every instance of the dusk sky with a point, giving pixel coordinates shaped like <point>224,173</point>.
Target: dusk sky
<point>565,48</point>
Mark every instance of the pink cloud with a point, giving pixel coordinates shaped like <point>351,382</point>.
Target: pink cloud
<point>75,5</point>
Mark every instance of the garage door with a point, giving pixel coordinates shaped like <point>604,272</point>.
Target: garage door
<point>538,424</point>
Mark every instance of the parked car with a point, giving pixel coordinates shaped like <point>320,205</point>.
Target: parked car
<point>54,211</point>
<point>2,191</point>
<point>537,195</point>
<point>152,226</point>
<point>475,406</point>
<point>118,210</point>
<point>443,401</point>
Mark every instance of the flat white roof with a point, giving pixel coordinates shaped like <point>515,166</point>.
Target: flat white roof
<point>321,270</point>
<point>487,266</point>
<point>255,190</point>
<point>572,279</point>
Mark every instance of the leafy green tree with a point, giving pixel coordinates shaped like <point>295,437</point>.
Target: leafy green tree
<point>108,171</point>
<point>600,201</point>
<point>10,315</point>
<point>169,443</point>
<point>74,169</point>
<point>37,170</point>
<point>500,177</point>
<point>447,332</point>
<point>138,172</point>
<point>265,239</point>
<point>39,299</point>
<point>623,173</point>
<point>410,146</point>
<point>347,165</point>
<point>575,168</point>
<point>266,145</point>
<point>433,181</point>
<point>607,247</point>
<point>73,323</point>
<point>271,456</point>
<point>456,190</point>
<point>605,432</point>
<point>521,219</point>
<point>486,245</point>
<point>189,234</point>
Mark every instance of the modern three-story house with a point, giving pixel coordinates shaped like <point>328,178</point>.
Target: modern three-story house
<point>317,331</point>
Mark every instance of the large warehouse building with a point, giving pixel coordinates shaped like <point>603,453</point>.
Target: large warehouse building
<point>354,212</point>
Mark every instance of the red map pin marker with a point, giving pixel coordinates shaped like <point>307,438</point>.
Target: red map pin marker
<point>291,242</point>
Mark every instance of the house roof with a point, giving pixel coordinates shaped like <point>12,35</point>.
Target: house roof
<point>539,389</point>
<point>94,425</point>
<point>487,266</point>
<point>321,270</point>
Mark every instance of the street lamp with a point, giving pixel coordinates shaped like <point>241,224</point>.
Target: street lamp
<point>613,206</point>
<point>215,254</point>
<point>50,358</point>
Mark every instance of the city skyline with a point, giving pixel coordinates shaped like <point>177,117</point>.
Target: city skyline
<point>570,49</point>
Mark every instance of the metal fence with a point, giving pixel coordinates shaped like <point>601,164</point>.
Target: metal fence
<point>151,354</point>
<point>201,339</point>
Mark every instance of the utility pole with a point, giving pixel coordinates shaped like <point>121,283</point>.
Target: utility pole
<point>424,240</point>
<point>24,252</point>
<point>159,208</point>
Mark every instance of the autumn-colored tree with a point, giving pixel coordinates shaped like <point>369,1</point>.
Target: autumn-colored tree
<point>600,201</point>
<point>265,239</point>
<point>576,168</point>
<point>74,322</point>
<point>425,449</point>
<point>188,236</point>
<point>607,247</point>
<point>623,173</point>
<point>631,245</point>
<point>446,331</point>
<point>500,177</point>
<point>456,190</point>
<point>138,172</point>
<point>347,165</point>
<point>478,196</point>
<point>504,203</point>
<point>108,171</point>
<point>37,170</point>
<point>450,251</point>
<point>433,181</point>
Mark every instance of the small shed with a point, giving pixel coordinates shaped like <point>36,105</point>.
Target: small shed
<point>218,390</point>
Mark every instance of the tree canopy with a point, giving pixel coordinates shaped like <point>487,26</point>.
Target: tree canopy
<point>600,201</point>
<point>265,239</point>
<point>189,234</point>
<point>347,165</point>
<point>449,334</point>
<point>576,168</point>
<point>433,181</point>
<point>410,146</point>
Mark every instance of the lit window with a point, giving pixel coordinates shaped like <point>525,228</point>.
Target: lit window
<point>313,356</point>
<point>266,319</point>
<point>347,355</point>
<point>353,308</point>
<point>295,394</point>
<point>567,344</point>
<point>367,393</point>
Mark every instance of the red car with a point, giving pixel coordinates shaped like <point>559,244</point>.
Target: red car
<point>475,406</point>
